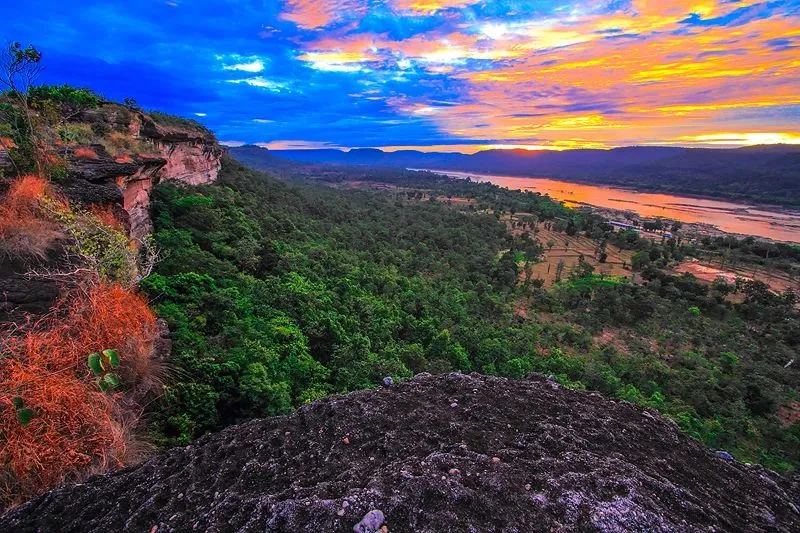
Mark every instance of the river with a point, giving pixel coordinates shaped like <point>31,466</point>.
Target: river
<point>730,217</point>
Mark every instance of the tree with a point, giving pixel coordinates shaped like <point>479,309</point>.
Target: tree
<point>528,270</point>
<point>507,270</point>
<point>639,261</point>
<point>582,270</point>
<point>19,69</point>
<point>559,270</point>
<point>650,225</point>
<point>444,348</point>
<point>131,104</point>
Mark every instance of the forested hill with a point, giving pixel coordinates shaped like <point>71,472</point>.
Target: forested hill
<point>768,173</point>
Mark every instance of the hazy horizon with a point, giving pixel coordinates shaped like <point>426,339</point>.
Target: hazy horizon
<point>474,149</point>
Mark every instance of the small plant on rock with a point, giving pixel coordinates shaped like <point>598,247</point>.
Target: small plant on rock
<point>24,414</point>
<point>101,365</point>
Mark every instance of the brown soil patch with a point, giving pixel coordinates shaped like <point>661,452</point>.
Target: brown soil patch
<point>570,249</point>
<point>611,337</point>
<point>789,414</point>
<point>708,272</point>
<point>521,308</point>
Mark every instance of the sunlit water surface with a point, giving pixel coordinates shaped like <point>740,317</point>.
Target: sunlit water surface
<point>731,217</point>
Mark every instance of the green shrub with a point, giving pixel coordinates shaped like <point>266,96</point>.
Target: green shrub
<point>106,250</point>
<point>100,127</point>
<point>24,414</point>
<point>122,143</point>
<point>65,100</point>
<point>165,119</point>
<point>73,133</point>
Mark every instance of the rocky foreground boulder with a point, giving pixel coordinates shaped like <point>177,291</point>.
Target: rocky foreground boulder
<point>434,454</point>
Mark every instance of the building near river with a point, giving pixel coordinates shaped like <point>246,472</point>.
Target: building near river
<point>623,225</point>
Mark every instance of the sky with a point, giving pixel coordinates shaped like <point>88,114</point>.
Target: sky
<point>457,75</point>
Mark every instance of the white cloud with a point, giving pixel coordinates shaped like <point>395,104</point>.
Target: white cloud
<point>201,114</point>
<point>253,66</point>
<point>242,63</point>
<point>263,121</point>
<point>494,31</point>
<point>263,83</point>
<point>298,145</point>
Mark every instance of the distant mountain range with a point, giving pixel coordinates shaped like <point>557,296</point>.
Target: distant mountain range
<point>768,173</point>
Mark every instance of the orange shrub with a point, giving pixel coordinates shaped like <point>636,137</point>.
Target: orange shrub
<point>7,143</point>
<point>25,230</point>
<point>76,429</point>
<point>25,194</point>
<point>84,152</point>
<point>105,214</point>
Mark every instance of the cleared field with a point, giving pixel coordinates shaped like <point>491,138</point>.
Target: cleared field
<point>708,272</point>
<point>569,250</point>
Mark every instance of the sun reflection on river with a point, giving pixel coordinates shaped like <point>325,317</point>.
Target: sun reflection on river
<point>727,216</point>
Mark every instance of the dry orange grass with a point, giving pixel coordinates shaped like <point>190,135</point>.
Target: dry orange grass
<point>25,230</point>
<point>85,152</point>
<point>25,194</point>
<point>106,215</point>
<point>76,429</point>
<point>7,143</point>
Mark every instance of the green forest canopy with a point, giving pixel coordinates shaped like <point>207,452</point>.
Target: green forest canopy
<point>280,293</point>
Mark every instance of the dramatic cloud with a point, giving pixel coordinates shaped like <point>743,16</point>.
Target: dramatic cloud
<point>463,74</point>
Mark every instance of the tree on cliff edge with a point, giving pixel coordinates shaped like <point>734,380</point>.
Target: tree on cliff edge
<point>19,69</point>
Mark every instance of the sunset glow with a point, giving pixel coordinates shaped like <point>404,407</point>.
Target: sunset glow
<point>463,74</point>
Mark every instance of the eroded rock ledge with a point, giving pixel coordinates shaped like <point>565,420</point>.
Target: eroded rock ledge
<point>144,154</point>
<point>434,454</point>
<point>186,155</point>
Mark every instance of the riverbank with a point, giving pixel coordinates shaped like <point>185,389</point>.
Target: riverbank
<point>699,216</point>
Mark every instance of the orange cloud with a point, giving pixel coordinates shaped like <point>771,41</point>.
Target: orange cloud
<point>313,14</point>
<point>638,74</point>
<point>660,87</point>
<point>430,6</point>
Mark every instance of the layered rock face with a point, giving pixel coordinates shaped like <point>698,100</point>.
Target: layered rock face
<point>181,154</point>
<point>434,454</point>
<point>146,153</point>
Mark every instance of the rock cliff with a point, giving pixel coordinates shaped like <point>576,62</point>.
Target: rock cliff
<point>434,454</point>
<point>183,153</point>
<point>130,152</point>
